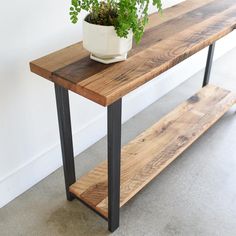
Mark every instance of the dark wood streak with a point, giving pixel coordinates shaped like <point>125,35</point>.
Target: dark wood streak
<point>73,71</point>
<point>193,99</point>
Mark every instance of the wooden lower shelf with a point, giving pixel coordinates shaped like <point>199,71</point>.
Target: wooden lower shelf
<point>153,150</point>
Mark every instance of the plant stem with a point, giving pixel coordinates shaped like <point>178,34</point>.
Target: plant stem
<point>109,4</point>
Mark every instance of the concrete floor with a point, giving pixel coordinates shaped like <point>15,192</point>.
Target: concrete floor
<point>195,195</point>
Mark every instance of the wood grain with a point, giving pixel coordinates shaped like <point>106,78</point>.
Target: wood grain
<point>183,30</point>
<point>153,150</point>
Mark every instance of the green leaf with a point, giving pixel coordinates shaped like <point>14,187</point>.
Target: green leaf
<point>124,15</point>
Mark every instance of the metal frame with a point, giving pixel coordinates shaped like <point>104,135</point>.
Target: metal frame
<point>114,149</point>
<point>64,121</point>
<point>114,115</point>
<point>208,64</point>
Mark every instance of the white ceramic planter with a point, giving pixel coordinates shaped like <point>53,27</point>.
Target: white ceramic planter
<point>104,44</point>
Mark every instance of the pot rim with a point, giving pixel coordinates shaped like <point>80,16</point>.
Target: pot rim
<point>102,26</point>
<point>111,27</point>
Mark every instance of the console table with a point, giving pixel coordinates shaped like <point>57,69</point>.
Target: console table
<point>183,30</point>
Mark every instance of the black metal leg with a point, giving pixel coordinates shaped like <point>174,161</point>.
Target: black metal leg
<point>114,150</point>
<point>63,111</point>
<point>209,64</point>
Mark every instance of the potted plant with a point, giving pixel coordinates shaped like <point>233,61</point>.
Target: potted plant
<point>110,25</point>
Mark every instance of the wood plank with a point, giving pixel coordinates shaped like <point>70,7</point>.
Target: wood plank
<point>46,65</point>
<point>153,150</point>
<point>184,29</point>
<point>175,11</point>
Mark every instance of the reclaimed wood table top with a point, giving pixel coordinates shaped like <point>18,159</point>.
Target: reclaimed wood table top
<point>181,31</point>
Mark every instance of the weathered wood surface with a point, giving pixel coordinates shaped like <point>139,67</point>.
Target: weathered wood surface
<point>153,150</point>
<point>183,30</point>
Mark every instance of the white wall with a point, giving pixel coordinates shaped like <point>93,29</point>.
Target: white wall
<point>29,139</point>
